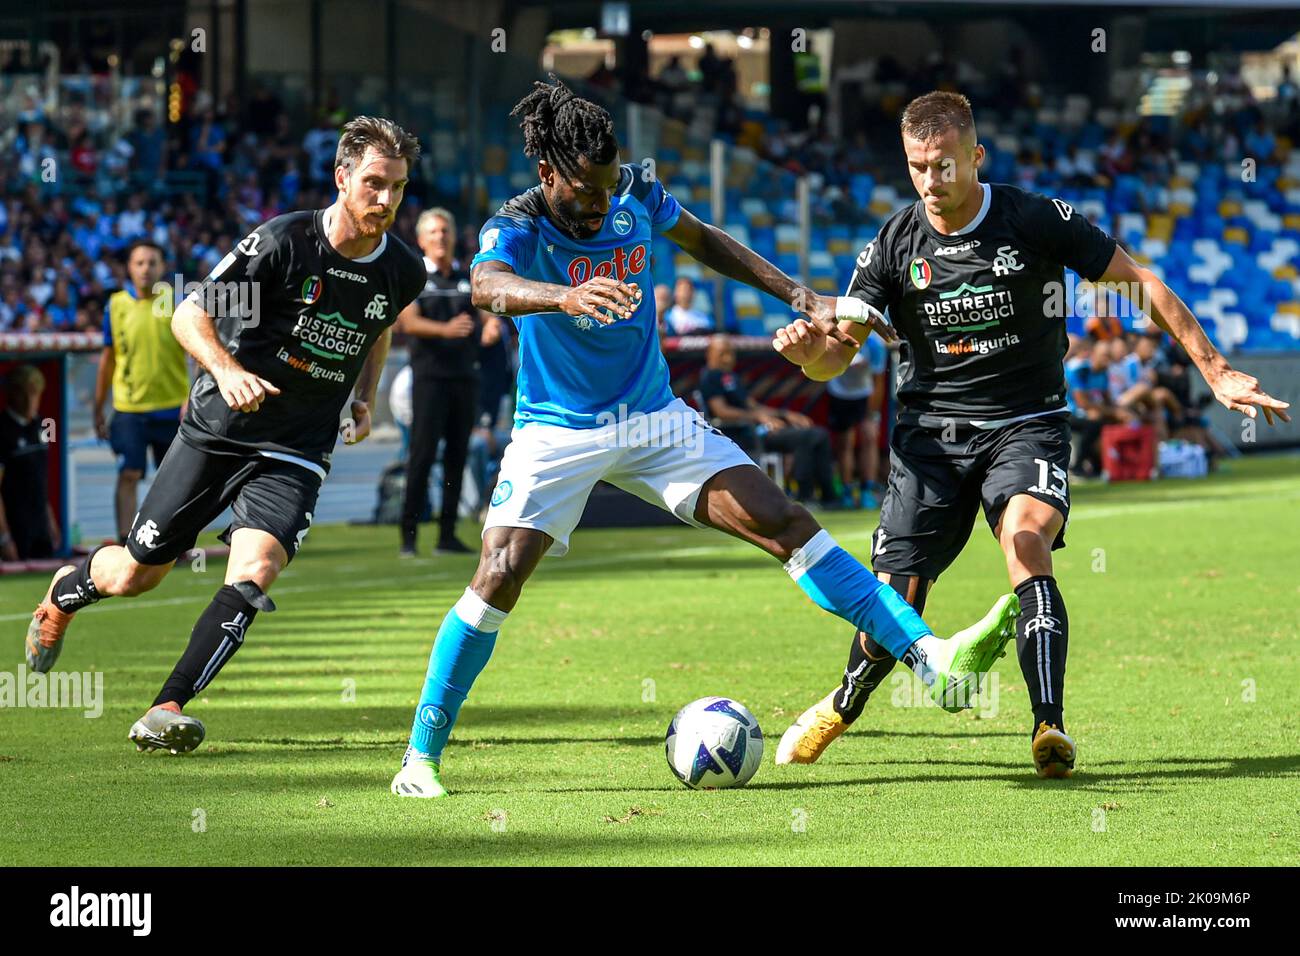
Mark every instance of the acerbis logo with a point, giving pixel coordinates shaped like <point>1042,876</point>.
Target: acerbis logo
<point>623,222</point>
<point>236,628</point>
<point>433,717</point>
<point>1064,208</point>
<point>248,245</point>
<point>864,257</point>
<point>344,274</point>
<point>502,493</point>
<point>940,251</point>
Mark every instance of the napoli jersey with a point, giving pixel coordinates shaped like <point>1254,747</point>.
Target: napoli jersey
<point>576,372</point>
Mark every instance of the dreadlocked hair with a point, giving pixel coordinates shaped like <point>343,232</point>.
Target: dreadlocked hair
<point>561,127</point>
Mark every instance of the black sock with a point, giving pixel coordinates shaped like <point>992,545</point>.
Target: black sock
<point>867,667</point>
<point>74,591</point>
<point>217,634</point>
<point>869,663</point>
<point>1042,638</point>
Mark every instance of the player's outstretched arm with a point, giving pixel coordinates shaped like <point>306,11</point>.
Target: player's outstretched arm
<point>497,288</point>
<point>1234,390</point>
<point>197,334</point>
<point>721,253</point>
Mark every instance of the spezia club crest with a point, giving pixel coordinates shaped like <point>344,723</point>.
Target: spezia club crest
<point>623,222</point>
<point>919,272</point>
<point>311,287</point>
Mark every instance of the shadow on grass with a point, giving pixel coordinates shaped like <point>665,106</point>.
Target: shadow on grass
<point>239,746</point>
<point>1088,777</point>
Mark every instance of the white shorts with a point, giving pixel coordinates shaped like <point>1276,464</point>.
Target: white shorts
<point>664,457</point>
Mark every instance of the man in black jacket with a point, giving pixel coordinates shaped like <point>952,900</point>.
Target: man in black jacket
<point>446,332</point>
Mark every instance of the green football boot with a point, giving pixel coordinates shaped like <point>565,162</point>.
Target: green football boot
<point>963,660</point>
<point>420,776</point>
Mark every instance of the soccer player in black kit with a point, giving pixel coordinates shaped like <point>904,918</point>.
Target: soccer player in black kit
<point>287,325</point>
<point>972,276</point>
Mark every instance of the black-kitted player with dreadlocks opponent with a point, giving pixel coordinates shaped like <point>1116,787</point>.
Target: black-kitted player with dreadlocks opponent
<point>285,326</point>
<point>568,260</point>
<point>969,274</point>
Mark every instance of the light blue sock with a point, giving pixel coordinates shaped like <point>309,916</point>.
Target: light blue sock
<point>838,583</point>
<point>460,652</point>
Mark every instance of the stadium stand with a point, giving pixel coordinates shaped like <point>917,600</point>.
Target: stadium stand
<point>1212,199</point>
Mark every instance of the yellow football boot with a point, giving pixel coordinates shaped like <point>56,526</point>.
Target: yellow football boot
<point>812,733</point>
<point>1053,751</point>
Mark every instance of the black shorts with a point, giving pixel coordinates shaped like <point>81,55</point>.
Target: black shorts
<point>843,414</point>
<point>192,487</point>
<point>936,487</point>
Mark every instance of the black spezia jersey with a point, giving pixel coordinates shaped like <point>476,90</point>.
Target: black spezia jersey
<point>981,314</point>
<point>293,310</point>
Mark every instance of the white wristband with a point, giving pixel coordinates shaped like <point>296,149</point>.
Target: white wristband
<point>852,309</point>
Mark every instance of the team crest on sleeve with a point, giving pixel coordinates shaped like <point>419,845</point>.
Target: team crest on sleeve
<point>919,272</point>
<point>489,239</point>
<point>248,245</point>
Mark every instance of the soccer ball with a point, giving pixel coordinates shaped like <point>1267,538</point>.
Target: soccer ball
<point>714,743</point>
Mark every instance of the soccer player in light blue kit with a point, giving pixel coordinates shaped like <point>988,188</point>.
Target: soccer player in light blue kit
<point>568,260</point>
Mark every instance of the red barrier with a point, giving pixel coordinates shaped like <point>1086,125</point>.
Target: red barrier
<point>1128,453</point>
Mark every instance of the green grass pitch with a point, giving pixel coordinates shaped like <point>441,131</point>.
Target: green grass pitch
<point>1183,692</point>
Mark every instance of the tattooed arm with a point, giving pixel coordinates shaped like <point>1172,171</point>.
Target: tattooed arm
<point>496,288</point>
<point>723,254</point>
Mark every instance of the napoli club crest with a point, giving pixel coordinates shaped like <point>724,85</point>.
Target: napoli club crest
<point>623,222</point>
<point>502,493</point>
<point>435,718</point>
